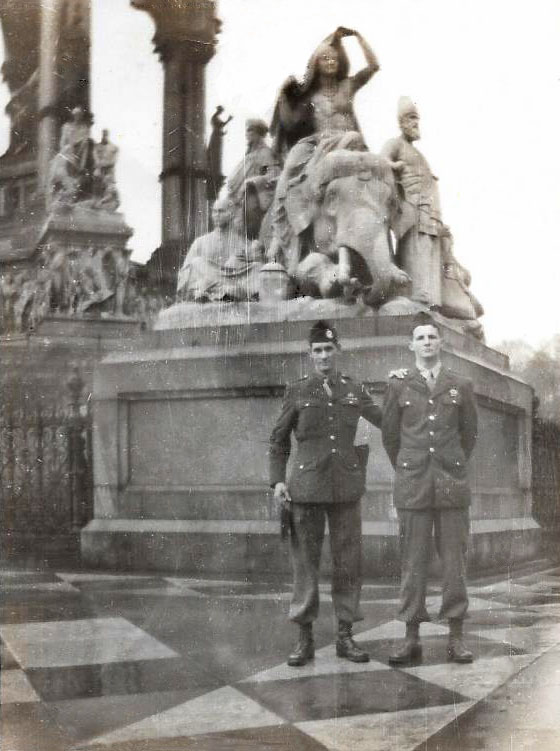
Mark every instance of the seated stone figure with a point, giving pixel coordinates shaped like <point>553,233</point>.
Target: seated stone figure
<point>218,265</point>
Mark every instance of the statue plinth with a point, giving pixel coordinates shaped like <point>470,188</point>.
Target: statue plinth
<point>182,423</point>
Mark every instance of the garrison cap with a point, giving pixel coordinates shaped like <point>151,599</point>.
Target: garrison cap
<point>322,332</point>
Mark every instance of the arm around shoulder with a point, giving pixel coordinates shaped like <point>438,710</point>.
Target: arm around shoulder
<point>391,422</point>
<point>468,419</point>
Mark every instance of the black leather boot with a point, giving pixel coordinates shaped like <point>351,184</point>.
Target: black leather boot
<point>305,648</point>
<point>456,649</point>
<point>411,649</point>
<point>346,646</point>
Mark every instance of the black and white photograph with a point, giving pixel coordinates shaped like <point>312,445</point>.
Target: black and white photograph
<point>279,375</point>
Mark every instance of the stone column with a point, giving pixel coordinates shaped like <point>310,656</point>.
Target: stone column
<point>48,88</point>
<point>185,39</point>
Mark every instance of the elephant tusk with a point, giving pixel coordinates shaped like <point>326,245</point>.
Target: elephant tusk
<point>344,265</point>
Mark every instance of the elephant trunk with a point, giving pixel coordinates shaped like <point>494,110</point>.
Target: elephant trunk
<point>367,234</point>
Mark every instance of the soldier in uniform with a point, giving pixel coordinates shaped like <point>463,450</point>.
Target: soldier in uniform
<point>327,481</point>
<point>429,431</point>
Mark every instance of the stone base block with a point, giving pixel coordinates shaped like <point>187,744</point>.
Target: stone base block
<point>249,548</point>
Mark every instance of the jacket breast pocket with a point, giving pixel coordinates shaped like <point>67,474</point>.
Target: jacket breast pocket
<point>350,410</point>
<point>311,416</point>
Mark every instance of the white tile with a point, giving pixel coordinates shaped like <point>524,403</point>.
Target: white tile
<point>474,681</point>
<point>325,663</point>
<point>15,688</point>
<point>535,640</point>
<point>387,731</point>
<point>81,642</point>
<point>220,710</point>
<point>396,629</point>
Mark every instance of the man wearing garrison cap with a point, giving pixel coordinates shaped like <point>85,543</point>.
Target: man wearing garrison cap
<point>420,250</point>
<point>327,481</point>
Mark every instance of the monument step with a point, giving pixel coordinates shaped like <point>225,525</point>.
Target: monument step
<point>251,546</point>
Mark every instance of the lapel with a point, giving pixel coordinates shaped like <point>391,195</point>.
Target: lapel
<point>444,381</point>
<point>417,382</point>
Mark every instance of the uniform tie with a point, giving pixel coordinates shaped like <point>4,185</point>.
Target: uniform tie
<point>430,380</point>
<point>327,387</point>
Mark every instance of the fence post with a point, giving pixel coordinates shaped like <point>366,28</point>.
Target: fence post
<point>76,449</point>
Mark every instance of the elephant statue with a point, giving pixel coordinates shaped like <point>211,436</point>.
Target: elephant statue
<point>347,206</point>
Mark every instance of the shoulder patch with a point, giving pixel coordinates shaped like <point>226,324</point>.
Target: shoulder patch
<point>399,374</point>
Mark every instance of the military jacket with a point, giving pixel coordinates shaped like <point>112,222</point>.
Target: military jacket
<point>327,466</point>
<point>429,437</point>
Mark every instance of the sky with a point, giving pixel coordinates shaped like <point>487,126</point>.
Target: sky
<point>486,79</point>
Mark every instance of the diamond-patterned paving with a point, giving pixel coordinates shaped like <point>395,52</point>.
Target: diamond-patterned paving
<point>147,663</point>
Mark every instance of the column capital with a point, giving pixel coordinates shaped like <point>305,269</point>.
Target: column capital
<point>190,26</point>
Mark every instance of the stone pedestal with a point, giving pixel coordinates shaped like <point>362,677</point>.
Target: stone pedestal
<point>181,428</point>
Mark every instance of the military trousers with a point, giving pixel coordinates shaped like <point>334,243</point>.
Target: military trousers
<point>449,529</point>
<point>306,543</point>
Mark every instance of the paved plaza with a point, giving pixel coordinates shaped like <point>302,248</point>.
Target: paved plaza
<point>115,662</point>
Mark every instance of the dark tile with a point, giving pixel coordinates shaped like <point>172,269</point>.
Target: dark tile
<point>29,727</point>
<point>343,695</point>
<point>526,600</point>
<point>20,607</point>
<point>254,588</point>
<point>502,618</point>
<point>87,718</point>
<point>115,678</point>
<point>275,738</point>
<point>27,577</point>
<point>7,660</point>
<point>434,649</point>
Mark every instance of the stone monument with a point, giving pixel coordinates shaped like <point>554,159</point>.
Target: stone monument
<point>182,419</point>
<point>185,39</point>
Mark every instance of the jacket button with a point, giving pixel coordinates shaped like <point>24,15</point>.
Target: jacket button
<point>430,401</point>
<point>431,432</point>
<point>432,450</point>
<point>333,451</point>
<point>432,417</point>
<point>333,438</point>
<point>407,404</point>
<point>405,464</point>
<point>458,464</point>
<point>330,404</point>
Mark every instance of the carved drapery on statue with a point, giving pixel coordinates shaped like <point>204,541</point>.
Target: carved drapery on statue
<point>335,220</point>
<point>83,172</point>
<point>221,265</point>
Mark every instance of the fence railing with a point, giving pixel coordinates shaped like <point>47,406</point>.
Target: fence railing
<point>45,463</point>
